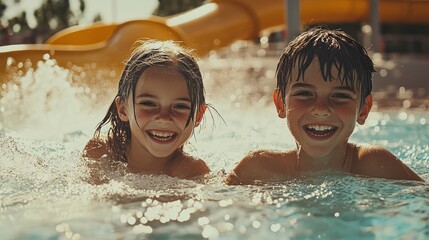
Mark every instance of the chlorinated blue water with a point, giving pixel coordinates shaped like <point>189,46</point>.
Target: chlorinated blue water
<point>46,120</point>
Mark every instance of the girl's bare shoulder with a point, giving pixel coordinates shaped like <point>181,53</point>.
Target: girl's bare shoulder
<point>96,148</point>
<point>187,166</point>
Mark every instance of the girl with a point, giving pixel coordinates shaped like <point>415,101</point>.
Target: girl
<point>159,102</point>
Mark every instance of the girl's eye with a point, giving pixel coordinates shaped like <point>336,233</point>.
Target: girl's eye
<point>148,104</point>
<point>182,106</point>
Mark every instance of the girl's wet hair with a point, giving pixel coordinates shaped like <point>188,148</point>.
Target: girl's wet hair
<point>150,53</point>
<point>331,48</point>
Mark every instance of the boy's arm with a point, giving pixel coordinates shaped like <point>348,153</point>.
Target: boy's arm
<point>243,171</point>
<point>376,161</point>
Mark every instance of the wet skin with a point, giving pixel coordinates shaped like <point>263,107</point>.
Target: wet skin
<point>157,117</point>
<point>321,115</point>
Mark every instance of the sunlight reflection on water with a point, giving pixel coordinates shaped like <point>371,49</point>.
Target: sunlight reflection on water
<point>48,116</point>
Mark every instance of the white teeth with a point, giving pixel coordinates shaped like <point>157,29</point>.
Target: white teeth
<point>320,127</point>
<point>161,134</point>
<point>320,130</point>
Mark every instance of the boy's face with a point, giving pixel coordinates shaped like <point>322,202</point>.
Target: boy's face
<point>321,115</point>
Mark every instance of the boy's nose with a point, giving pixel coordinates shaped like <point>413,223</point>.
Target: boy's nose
<point>321,109</point>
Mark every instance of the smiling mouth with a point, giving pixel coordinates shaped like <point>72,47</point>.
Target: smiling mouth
<point>161,136</point>
<point>320,131</point>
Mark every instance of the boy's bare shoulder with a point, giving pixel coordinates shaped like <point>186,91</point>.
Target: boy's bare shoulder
<point>263,165</point>
<point>376,161</point>
<point>268,153</point>
<point>95,148</point>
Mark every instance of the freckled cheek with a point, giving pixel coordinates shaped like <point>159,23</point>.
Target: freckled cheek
<point>294,111</point>
<point>144,114</point>
<point>347,113</point>
<point>179,117</point>
<point>296,106</point>
<point>346,109</point>
<point>142,118</point>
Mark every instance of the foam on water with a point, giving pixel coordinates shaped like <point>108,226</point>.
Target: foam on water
<point>47,116</point>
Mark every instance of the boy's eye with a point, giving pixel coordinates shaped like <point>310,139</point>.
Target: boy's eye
<point>303,94</point>
<point>342,96</point>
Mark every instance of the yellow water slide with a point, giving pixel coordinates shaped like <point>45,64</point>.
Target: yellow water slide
<point>206,28</point>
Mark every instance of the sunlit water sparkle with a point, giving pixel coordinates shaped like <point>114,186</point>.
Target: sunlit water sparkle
<point>47,117</point>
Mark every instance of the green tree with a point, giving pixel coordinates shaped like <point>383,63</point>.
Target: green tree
<point>56,14</point>
<point>170,7</point>
<point>2,9</point>
<point>97,18</point>
<point>13,25</point>
<point>51,16</point>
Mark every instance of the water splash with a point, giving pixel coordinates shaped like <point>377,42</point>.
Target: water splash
<point>47,101</point>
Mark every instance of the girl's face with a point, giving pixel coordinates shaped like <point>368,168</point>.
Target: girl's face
<point>160,112</point>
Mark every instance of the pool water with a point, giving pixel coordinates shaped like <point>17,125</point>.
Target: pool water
<point>46,119</point>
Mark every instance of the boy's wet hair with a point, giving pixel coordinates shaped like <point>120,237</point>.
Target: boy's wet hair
<point>331,48</point>
<point>150,53</point>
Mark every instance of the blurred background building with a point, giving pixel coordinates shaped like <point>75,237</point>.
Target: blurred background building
<point>34,21</point>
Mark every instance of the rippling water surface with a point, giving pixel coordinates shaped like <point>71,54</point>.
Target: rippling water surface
<point>46,118</point>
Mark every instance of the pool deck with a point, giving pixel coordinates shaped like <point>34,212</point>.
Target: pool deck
<point>401,81</point>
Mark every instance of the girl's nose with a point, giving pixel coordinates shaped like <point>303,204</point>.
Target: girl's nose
<point>321,109</point>
<point>165,115</point>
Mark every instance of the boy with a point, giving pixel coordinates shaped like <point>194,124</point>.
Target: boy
<point>323,89</point>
